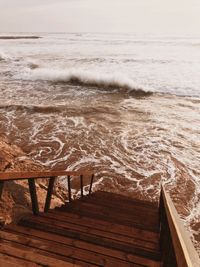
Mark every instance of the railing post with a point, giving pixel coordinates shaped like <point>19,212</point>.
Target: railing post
<point>69,188</point>
<point>49,193</point>
<point>91,183</point>
<point>81,184</point>
<point>34,200</point>
<point>1,188</point>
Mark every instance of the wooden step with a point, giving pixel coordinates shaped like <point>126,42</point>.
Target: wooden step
<point>131,235</point>
<point>103,229</point>
<point>98,199</point>
<point>89,257</point>
<point>133,260</point>
<point>118,198</point>
<point>94,211</point>
<point>130,214</point>
<point>9,261</point>
<point>66,241</point>
<point>4,263</point>
<point>34,255</point>
<point>89,235</point>
<point>118,207</point>
<point>110,226</point>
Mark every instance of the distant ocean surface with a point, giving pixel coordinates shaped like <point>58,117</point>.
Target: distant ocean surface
<point>154,63</point>
<point>124,105</point>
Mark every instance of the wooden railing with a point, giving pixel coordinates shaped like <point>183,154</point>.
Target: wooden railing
<point>176,245</point>
<point>51,175</point>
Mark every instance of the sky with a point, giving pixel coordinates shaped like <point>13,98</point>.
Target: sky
<point>124,16</point>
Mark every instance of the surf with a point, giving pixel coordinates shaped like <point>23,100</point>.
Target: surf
<point>84,78</point>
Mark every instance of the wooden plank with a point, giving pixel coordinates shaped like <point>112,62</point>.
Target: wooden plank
<point>6,176</point>
<point>34,255</point>
<point>90,235</point>
<point>103,209</point>
<point>133,260</point>
<point>69,188</point>
<point>93,210</point>
<point>186,255</point>
<point>145,238</point>
<point>33,193</point>
<point>49,193</point>
<point>109,230</point>
<point>111,219</point>
<point>125,199</point>
<point>143,212</point>
<point>112,226</point>
<point>81,184</point>
<point>67,251</point>
<point>91,184</point>
<point>113,203</point>
<point>9,261</point>
<point>68,241</point>
<point>4,263</point>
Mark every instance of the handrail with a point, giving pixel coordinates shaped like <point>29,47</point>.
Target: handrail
<point>51,175</point>
<point>185,253</point>
<point>6,176</point>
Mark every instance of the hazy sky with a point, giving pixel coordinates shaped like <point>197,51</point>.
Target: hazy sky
<point>145,16</point>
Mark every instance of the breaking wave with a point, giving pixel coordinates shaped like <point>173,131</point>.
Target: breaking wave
<point>82,77</point>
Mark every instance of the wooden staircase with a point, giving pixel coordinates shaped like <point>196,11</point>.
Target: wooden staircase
<point>102,229</point>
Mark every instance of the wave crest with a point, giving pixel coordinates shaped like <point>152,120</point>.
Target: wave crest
<point>82,77</point>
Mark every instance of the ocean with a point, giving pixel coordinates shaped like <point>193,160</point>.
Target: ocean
<point>126,106</point>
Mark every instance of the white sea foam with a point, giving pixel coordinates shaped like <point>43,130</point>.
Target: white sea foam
<point>4,56</point>
<point>81,77</point>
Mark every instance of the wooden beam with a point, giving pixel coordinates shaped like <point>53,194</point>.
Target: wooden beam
<point>6,176</point>
<point>91,183</point>
<point>81,184</point>
<point>69,188</point>
<point>49,193</point>
<point>1,188</point>
<point>34,200</point>
<point>186,255</point>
